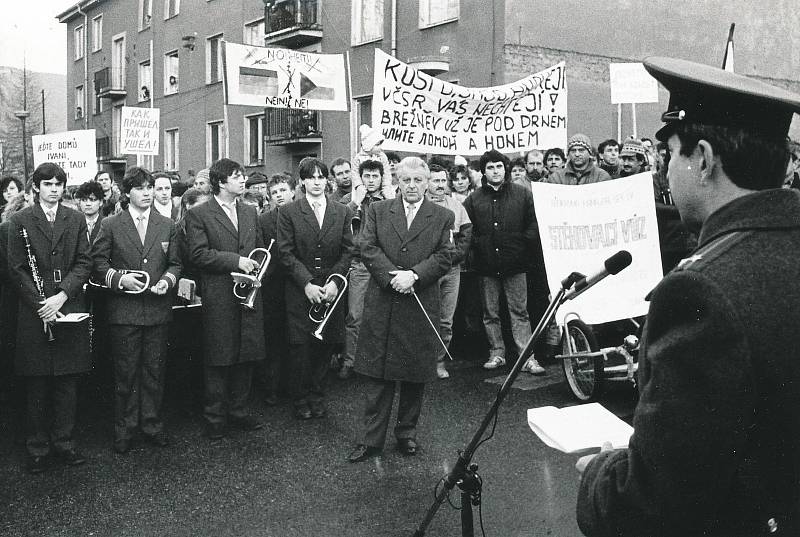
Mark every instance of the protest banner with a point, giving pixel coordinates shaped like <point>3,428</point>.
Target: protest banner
<point>630,83</point>
<point>284,78</point>
<point>419,113</point>
<point>139,130</point>
<point>74,151</point>
<point>582,226</point>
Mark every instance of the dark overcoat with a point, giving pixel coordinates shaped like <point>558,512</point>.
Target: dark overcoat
<point>309,253</point>
<point>118,247</point>
<point>274,282</point>
<point>716,443</point>
<point>62,253</point>
<point>395,341</point>
<point>231,333</point>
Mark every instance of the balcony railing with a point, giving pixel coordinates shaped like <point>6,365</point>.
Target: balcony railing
<point>287,126</point>
<point>292,23</point>
<point>110,83</point>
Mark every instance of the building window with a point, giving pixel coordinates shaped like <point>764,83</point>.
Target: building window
<point>145,14</point>
<point>171,72</point>
<point>79,102</point>
<point>116,130</point>
<point>215,141</point>
<point>80,42</point>
<point>213,59</point>
<point>171,150</point>
<point>254,33</point>
<point>364,110</point>
<point>97,33</point>
<point>254,140</point>
<point>145,81</point>
<point>367,19</point>
<point>97,107</point>
<point>433,12</point>
<point>171,8</point>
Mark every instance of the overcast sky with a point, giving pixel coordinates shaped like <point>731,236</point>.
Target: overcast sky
<point>31,27</point>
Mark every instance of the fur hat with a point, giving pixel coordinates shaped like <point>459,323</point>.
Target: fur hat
<point>579,140</point>
<point>369,137</point>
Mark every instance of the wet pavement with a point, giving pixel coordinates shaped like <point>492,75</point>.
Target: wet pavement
<point>291,477</point>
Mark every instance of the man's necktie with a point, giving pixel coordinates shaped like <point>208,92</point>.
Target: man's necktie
<point>231,210</point>
<point>410,215</point>
<point>141,228</point>
<point>318,213</point>
<point>51,217</point>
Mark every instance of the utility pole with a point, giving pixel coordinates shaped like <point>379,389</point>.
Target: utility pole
<point>22,115</point>
<point>44,120</point>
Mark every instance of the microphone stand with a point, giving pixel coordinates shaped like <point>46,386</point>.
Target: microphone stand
<point>464,474</point>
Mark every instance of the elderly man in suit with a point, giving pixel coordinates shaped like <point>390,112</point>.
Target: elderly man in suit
<point>138,239</point>
<point>221,234</point>
<point>315,241</point>
<point>56,244</point>
<point>407,247</point>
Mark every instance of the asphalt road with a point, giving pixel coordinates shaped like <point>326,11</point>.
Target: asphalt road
<point>291,478</point>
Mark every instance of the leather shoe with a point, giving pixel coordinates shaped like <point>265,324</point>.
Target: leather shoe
<point>407,446</point>
<point>37,465</point>
<point>122,445</point>
<point>159,439</point>
<point>302,412</point>
<point>245,423</point>
<point>318,410</point>
<point>361,453</point>
<point>346,372</point>
<point>71,457</point>
<point>215,431</point>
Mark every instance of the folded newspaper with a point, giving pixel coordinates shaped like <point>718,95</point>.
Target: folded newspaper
<point>577,428</point>
<point>73,318</point>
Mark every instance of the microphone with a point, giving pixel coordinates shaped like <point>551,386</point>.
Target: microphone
<point>613,265</point>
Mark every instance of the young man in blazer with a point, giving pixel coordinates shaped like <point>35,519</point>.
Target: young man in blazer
<point>138,315</point>
<point>221,234</point>
<point>315,241</point>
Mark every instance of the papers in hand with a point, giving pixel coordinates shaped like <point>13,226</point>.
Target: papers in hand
<point>73,318</point>
<point>576,428</point>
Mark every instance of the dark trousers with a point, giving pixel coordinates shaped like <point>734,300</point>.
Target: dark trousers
<point>308,365</point>
<point>272,370</point>
<point>139,354</point>
<point>378,398</point>
<point>227,388</point>
<point>52,403</point>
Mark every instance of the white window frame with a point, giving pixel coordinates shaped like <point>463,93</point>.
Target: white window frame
<point>357,19</point>
<point>116,130</point>
<point>79,34</point>
<point>144,81</point>
<point>97,103</point>
<point>167,14</point>
<point>97,33</point>
<point>80,100</point>
<point>427,7</point>
<point>247,147</point>
<point>248,31</point>
<point>118,53</point>
<point>169,89</point>
<point>145,14</point>
<point>172,149</point>
<point>221,142</point>
<point>209,40</point>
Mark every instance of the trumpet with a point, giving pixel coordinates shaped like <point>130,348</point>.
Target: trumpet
<point>141,275</point>
<point>245,286</point>
<point>321,313</point>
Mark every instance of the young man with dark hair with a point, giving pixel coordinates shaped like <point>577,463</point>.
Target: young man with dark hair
<point>59,247</point>
<point>609,157</point>
<point>90,201</point>
<point>221,234</point>
<point>343,178</point>
<point>716,430</point>
<point>138,239</point>
<point>314,241</point>
<point>162,196</point>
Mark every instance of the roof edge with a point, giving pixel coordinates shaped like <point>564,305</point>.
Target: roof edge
<point>72,12</point>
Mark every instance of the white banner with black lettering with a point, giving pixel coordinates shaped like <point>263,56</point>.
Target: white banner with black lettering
<point>74,151</point>
<point>139,132</point>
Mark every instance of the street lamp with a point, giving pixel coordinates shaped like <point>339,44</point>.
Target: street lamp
<point>22,115</point>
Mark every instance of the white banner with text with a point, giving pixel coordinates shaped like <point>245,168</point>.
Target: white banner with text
<point>74,151</point>
<point>139,130</point>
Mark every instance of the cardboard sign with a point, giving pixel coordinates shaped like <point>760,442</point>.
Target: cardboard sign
<point>582,226</point>
<point>74,151</point>
<point>419,113</point>
<point>631,83</point>
<point>284,78</point>
<point>140,130</point>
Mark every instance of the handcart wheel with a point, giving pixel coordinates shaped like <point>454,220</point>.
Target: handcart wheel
<point>584,374</point>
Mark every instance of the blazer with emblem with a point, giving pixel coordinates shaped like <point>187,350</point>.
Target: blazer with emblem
<point>118,247</point>
<point>309,253</point>
<point>63,261</point>
<point>231,333</point>
<point>395,341</point>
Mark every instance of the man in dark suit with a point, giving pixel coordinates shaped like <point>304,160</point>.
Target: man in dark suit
<point>139,239</point>
<point>406,245</point>
<point>315,241</point>
<point>60,249</point>
<point>717,426</point>
<point>221,234</point>
<point>90,201</point>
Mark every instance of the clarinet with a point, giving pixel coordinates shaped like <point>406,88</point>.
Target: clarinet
<point>37,280</point>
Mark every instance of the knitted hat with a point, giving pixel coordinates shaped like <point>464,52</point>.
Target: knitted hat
<point>369,137</point>
<point>202,173</point>
<point>579,140</point>
<point>460,161</point>
<point>633,147</point>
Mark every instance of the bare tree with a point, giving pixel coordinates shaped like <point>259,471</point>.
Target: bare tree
<point>12,99</point>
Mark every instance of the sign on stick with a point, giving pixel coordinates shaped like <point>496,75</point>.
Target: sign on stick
<point>74,151</point>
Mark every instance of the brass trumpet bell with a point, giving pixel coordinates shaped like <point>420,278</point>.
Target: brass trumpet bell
<point>245,286</point>
<point>321,313</point>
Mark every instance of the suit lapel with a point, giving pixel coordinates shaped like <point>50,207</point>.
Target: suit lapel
<point>41,222</point>
<point>328,219</point>
<point>222,218</point>
<point>419,223</point>
<point>130,230</point>
<point>245,228</point>
<point>60,223</point>
<point>308,215</point>
<point>153,225</point>
<point>398,217</point>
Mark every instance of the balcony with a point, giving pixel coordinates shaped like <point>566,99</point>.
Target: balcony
<point>104,151</point>
<point>285,126</point>
<point>292,23</point>
<point>109,83</point>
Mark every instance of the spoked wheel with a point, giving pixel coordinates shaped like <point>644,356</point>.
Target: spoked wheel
<point>584,374</point>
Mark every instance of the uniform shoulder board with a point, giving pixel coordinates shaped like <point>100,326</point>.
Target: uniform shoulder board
<point>711,251</point>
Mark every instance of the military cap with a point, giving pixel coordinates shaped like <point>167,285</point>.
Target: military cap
<point>707,95</point>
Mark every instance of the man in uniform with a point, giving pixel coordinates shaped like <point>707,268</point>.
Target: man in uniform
<point>717,427</point>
